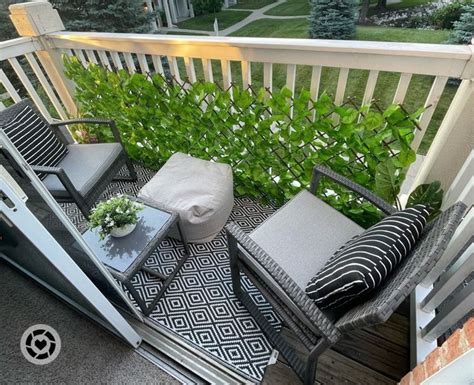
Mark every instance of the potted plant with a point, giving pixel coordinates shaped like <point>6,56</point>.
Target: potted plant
<point>117,216</point>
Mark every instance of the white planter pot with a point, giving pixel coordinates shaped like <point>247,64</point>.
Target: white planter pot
<point>119,232</point>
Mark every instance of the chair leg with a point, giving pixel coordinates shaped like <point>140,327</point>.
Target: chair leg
<point>132,174</point>
<point>312,361</point>
<point>234,264</point>
<point>83,207</point>
<point>131,170</point>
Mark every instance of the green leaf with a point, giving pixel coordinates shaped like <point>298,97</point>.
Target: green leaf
<point>431,194</point>
<point>387,185</point>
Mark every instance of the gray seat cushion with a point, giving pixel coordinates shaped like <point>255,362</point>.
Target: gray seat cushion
<point>303,235</point>
<point>84,164</point>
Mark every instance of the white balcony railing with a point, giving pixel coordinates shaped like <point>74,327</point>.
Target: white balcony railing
<point>36,62</point>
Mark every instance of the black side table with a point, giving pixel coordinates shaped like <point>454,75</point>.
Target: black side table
<point>125,256</point>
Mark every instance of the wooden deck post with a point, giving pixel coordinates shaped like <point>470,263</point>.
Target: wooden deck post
<point>37,19</point>
<point>454,140</point>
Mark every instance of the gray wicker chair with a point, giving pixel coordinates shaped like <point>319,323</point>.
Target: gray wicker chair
<point>284,252</point>
<point>83,174</point>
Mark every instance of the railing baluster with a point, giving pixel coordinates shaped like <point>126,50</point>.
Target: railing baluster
<point>314,86</point>
<point>290,81</point>
<point>450,280</point>
<point>91,56</point>
<point>157,64</point>
<point>104,60</point>
<point>116,60</point>
<point>341,86</point>
<point>268,76</point>
<point>174,68</point>
<point>431,104</point>
<point>402,88</point>
<point>46,86</point>
<point>143,63</point>
<point>370,87</point>
<point>315,81</point>
<point>129,62</point>
<point>340,90</point>
<point>80,55</point>
<point>246,74</point>
<point>29,88</point>
<point>226,73</point>
<point>9,87</point>
<point>452,312</point>
<point>291,77</point>
<point>190,71</point>
<point>207,67</point>
<point>462,187</point>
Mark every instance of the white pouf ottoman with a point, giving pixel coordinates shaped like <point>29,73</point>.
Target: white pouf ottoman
<point>201,192</point>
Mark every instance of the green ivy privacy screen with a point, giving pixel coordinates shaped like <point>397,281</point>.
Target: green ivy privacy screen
<point>271,140</point>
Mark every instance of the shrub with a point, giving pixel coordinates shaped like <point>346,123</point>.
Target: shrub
<point>207,6</point>
<point>444,18</point>
<point>272,143</point>
<point>464,28</point>
<point>332,19</point>
<point>104,16</point>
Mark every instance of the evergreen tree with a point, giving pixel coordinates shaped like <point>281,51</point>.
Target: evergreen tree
<point>463,30</point>
<point>332,19</point>
<point>104,15</point>
<point>7,30</point>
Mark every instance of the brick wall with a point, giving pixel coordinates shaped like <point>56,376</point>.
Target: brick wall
<point>457,344</point>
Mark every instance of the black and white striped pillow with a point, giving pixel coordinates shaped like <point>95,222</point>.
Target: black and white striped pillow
<point>34,139</point>
<point>364,262</point>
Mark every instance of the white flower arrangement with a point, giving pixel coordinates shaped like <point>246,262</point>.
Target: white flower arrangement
<point>114,213</point>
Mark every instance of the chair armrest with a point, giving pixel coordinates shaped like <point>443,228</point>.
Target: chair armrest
<point>109,122</point>
<point>378,202</point>
<point>62,176</point>
<point>292,290</point>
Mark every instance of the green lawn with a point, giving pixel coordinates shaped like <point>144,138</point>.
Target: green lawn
<point>397,6</point>
<point>301,7</point>
<point>252,4</point>
<point>408,4</point>
<point>387,82</point>
<point>206,22</point>
<point>186,33</point>
<point>290,8</point>
<point>405,35</point>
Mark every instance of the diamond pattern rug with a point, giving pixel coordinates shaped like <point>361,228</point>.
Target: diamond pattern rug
<point>199,305</point>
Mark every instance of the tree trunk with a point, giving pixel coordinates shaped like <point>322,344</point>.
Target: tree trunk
<point>382,5</point>
<point>364,10</point>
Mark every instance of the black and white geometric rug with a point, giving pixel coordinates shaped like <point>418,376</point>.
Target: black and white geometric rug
<point>199,304</point>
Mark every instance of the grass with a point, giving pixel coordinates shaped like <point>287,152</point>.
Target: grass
<point>405,35</point>
<point>186,33</point>
<point>206,22</point>
<point>387,81</point>
<point>290,8</point>
<point>407,4</point>
<point>397,6</point>
<point>301,7</point>
<point>252,4</point>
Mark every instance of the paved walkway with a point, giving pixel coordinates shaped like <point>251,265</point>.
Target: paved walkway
<point>257,14</point>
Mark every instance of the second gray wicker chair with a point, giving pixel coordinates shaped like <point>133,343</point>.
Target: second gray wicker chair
<point>283,253</point>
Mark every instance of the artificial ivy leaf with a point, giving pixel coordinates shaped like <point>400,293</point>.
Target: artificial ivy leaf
<point>406,157</point>
<point>372,120</point>
<point>431,194</point>
<point>387,184</point>
<point>390,110</point>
